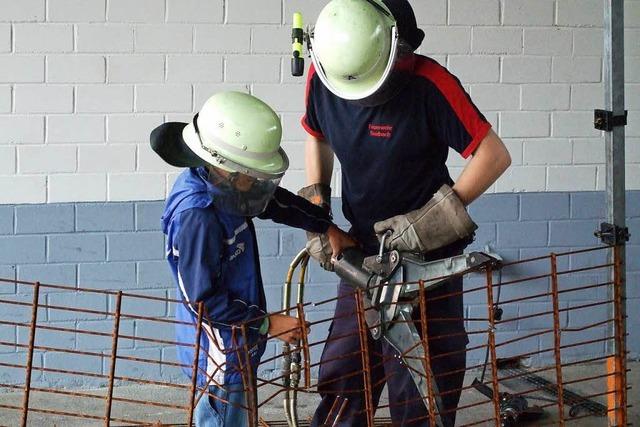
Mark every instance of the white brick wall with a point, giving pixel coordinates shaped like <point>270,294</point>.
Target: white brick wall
<point>83,82</point>
<point>131,128</point>
<point>136,186</point>
<point>104,99</point>
<point>163,98</point>
<point>195,11</point>
<point>194,68</point>
<point>75,129</point>
<point>7,160</point>
<point>5,99</point>
<point>24,189</point>
<point>50,38</point>
<point>104,38</point>
<point>528,13</point>
<point>33,159</point>
<point>136,68</point>
<point>43,99</point>
<point>76,69</point>
<point>106,158</point>
<point>474,12</point>
<point>140,11</point>
<point>21,69</point>
<point>21,129</point>
<point>545,97</point>
<point>72,187</point>
<point>475,69</point>
<point>224,38</point>
<point>5,38</point>
<point>163,38</point>
<point>548,41</point>
<point>76,10</point>
<point>22,11</point>
<point>496,40</point>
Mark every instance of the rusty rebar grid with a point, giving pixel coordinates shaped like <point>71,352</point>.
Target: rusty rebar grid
<point>32,338</point>
<point>492,345</point>
<point>620,358</point>
<point>432,407</point>
<point>557,337</point>
<point>114,353</point>
<point>574,331</point>
<point>364,348</point>
<point>196,360</point>
<point>247,377</point>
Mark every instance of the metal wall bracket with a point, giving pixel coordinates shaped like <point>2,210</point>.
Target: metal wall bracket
<point>606,121</point>
<point>611,234</point>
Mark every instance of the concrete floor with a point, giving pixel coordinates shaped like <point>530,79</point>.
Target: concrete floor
<point>272,411</point>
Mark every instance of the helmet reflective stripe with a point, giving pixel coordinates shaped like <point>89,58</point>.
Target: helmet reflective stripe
<point>354,47</point>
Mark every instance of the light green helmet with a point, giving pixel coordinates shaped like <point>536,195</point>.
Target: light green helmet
<point>354,46</point>
<point>238,132</point>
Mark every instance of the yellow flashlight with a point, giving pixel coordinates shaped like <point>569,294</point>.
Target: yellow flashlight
<point>297,39</point>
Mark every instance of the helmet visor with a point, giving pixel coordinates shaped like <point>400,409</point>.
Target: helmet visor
<point>240,194</point>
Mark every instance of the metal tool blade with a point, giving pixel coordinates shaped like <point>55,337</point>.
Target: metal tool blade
<point>434,273</point>
<point>405,339</point>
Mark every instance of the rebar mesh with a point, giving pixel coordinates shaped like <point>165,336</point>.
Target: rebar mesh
<point>527,313</point>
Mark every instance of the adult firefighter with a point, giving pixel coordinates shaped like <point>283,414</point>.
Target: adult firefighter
<point>391,116</point>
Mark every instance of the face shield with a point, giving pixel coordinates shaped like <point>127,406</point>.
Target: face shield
<point>239,190</point>
<point>240,194</point>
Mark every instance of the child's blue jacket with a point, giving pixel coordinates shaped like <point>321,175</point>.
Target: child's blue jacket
<point>214,259</point>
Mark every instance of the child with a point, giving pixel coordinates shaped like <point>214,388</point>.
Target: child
<point>232,150</point>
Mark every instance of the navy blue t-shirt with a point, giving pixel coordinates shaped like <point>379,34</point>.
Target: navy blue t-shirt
<point>393,155</point>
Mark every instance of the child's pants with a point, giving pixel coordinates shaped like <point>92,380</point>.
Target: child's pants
<point>229,412</point>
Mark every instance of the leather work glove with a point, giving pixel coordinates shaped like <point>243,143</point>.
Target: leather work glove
<point>442,221</point>
<point>318,245</point>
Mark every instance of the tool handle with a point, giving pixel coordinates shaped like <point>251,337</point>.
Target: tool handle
<point>349,267</point>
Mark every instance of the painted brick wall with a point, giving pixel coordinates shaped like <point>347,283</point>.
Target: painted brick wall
<point>82,82</point>
<point>119,246</point>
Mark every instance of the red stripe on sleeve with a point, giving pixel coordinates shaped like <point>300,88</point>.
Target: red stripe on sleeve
<point>480,136</point>
<point>304,122</point>
<point>309,129</point>
<point>455,95</point>
<point>310,74</point>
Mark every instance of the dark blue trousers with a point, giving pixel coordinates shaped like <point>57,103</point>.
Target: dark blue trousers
<point>341,364</point>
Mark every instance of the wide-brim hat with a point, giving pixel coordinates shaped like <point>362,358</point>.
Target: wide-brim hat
<point>168,143</point>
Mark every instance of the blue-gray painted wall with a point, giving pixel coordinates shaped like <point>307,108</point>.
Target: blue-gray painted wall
<point>119,246</point>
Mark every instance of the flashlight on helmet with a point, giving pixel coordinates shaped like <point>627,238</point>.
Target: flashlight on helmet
<point>297,39</point>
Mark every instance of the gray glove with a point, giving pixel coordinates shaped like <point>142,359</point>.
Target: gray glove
<point>442,221</point>
<point>318,245</point>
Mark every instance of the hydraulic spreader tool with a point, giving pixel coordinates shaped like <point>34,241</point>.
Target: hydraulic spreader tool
<point>391,283</point>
